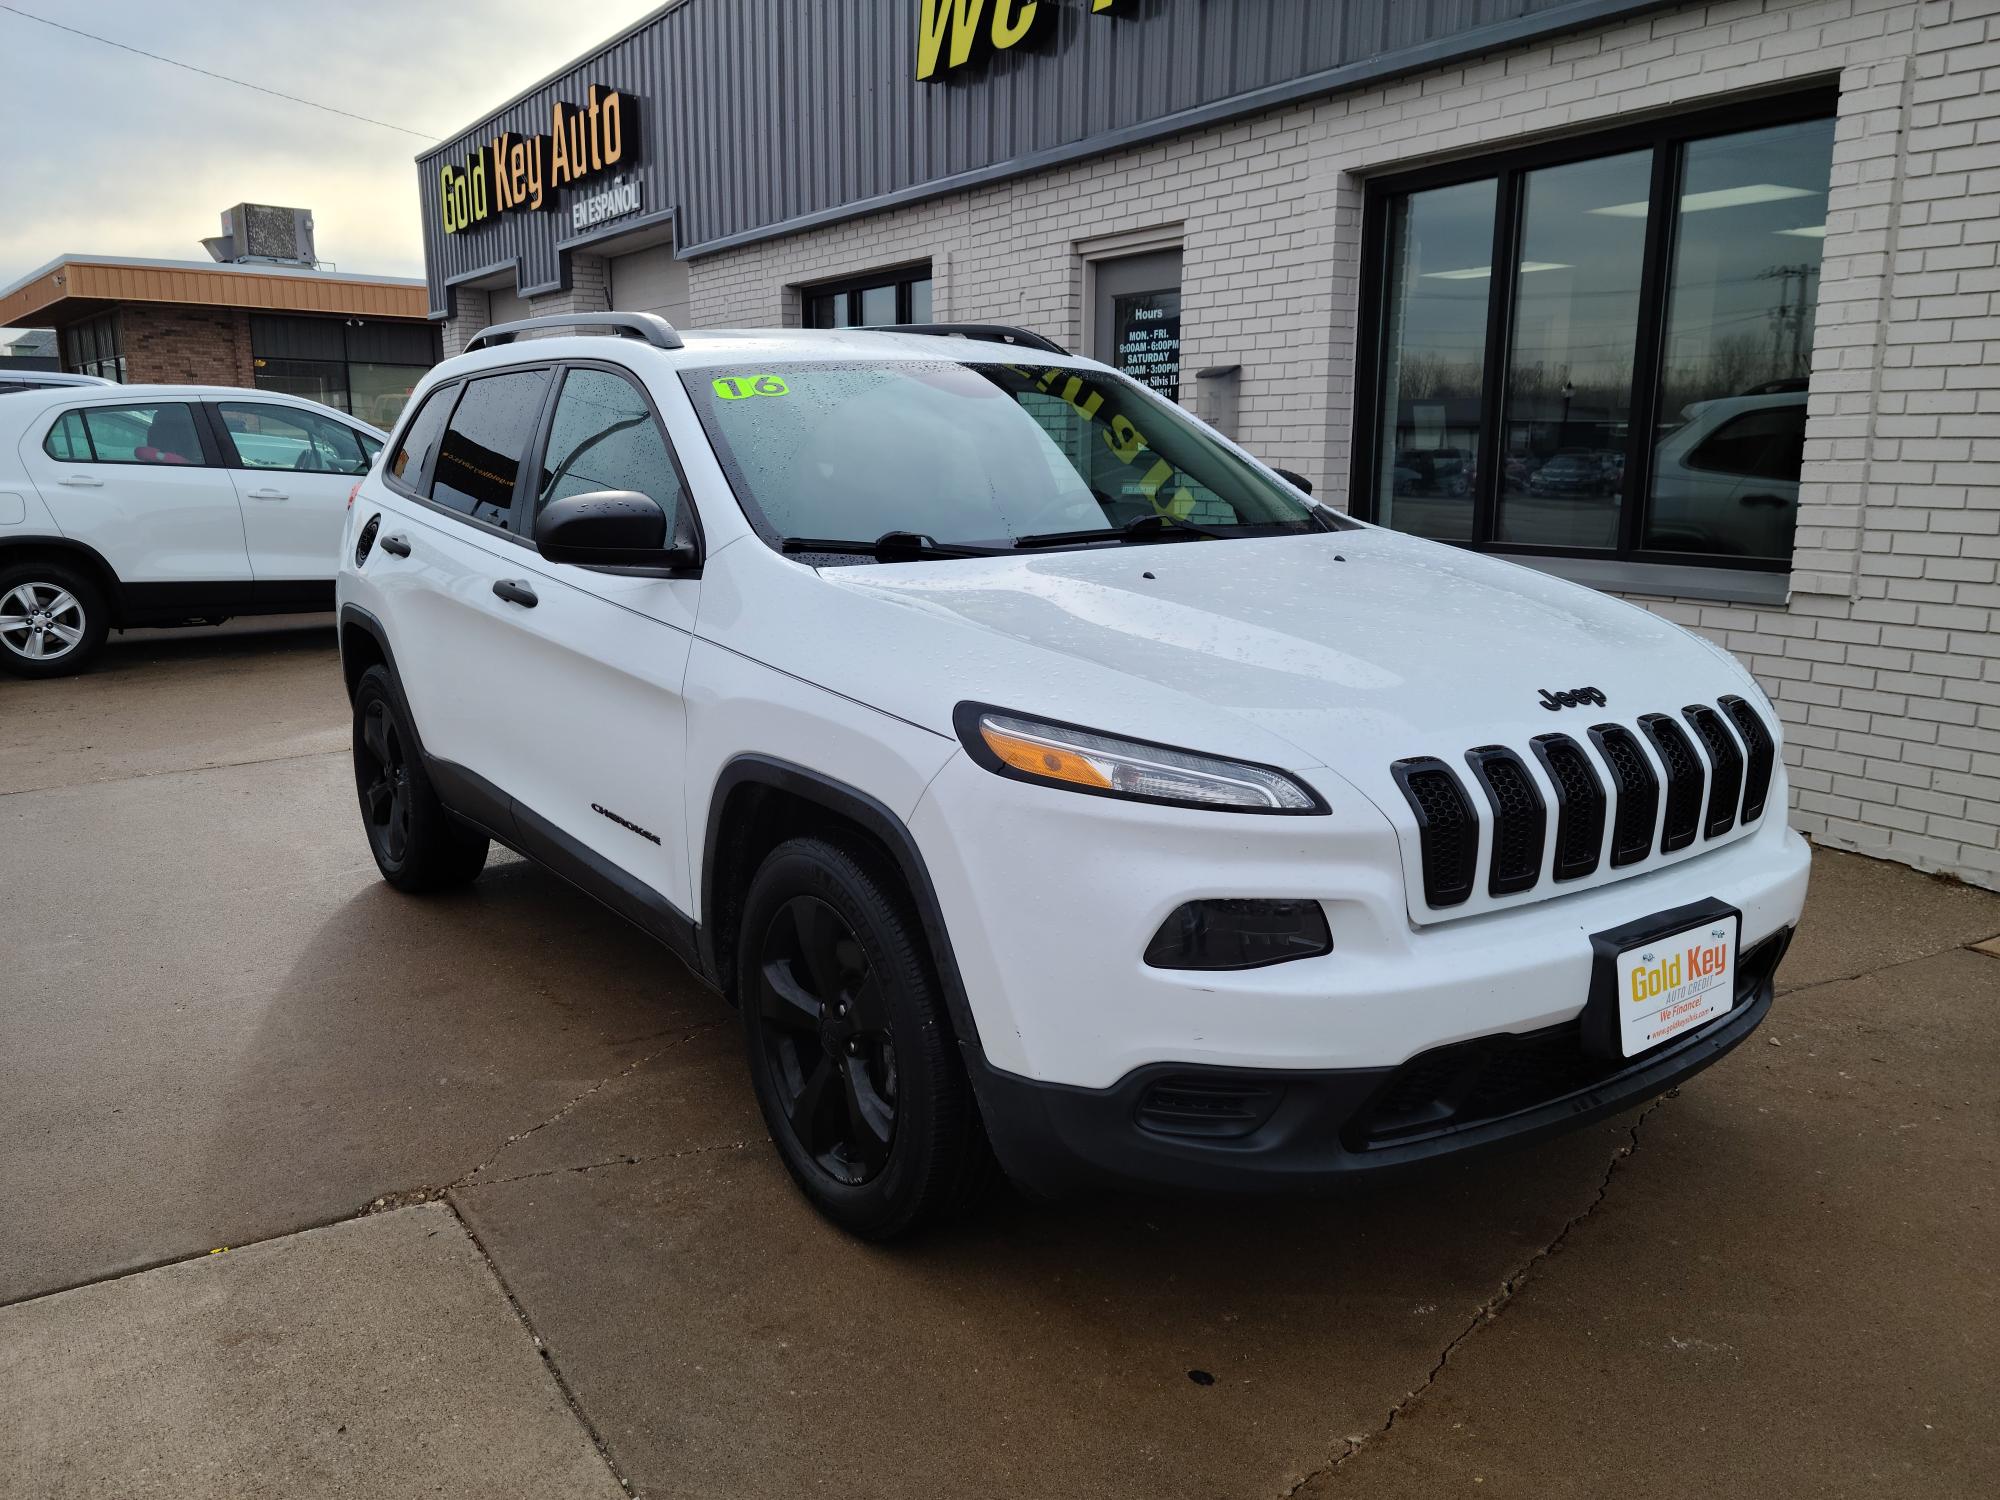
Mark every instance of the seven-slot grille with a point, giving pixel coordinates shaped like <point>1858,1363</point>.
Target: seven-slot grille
<point>1714,778</point>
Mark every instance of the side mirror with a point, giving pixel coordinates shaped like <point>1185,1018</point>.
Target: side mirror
<point>616,530</point>
<point>1295,479</point>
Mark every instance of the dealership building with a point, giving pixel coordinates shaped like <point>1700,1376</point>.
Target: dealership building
<point>1694,303</point>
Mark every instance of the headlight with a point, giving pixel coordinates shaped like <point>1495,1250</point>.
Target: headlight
<point>1082,761</point>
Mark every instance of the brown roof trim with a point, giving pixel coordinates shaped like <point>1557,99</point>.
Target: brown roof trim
<point>40,303</point>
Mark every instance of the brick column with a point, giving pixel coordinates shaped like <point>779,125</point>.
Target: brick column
<point>470,311</point>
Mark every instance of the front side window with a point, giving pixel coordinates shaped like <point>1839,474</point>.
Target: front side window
<point>479,458</point>
<point>986,455</point>
<point>161,433</point>
<point>605,437</point>
<point>282,437</point>
<point>1599,354</point>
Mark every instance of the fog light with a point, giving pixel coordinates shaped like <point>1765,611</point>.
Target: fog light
<point>1239,935</point>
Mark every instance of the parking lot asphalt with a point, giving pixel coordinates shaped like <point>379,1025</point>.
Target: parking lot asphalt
<point>218,1028</point>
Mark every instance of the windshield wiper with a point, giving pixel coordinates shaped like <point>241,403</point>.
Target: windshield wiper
<point>1146,528</point>
<point>890,546</point>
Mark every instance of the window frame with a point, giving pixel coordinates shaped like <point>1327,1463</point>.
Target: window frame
<point>1666,137</point>
<point>210,458</point>
<point>901,278</point>
<point>529,491</point>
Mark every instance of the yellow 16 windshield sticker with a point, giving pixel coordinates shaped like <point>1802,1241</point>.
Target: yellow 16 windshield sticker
<point>741,387</point>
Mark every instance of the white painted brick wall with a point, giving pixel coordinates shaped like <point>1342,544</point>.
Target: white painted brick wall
<point>1885,663</point>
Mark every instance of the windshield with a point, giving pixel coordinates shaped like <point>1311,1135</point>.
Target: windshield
<point>976,455</point>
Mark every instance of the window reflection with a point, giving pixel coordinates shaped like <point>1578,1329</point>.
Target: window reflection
<point>1440,249</point>
<point>1569,376</point>
<point>1730,434</point>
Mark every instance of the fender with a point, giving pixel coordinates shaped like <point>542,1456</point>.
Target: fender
<point>57,542</point>
<point>869,813</point>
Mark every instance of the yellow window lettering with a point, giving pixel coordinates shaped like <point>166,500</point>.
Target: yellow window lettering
<point>1087,409</point>
<point>1124,440</point>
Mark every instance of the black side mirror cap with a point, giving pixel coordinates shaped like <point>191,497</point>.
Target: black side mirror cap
<point>1295,479</point>
<point>613,530</point>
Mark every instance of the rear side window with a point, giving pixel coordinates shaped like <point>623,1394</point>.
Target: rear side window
<point>480,457</point>
<point>604,437</point>
<point>66,440</point>
<point>1769,443</point>
<point>266,436</point>
<point>420,437</point>
<point>162,433</point>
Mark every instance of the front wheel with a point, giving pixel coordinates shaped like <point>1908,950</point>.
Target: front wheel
<point>53,620</point>
<point>417,845</point>
<point>851,1051</point>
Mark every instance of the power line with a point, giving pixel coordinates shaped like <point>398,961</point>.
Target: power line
<point>92,36</point>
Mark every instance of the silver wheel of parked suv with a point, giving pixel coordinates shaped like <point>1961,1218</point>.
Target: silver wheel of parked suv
<point>51,621</point>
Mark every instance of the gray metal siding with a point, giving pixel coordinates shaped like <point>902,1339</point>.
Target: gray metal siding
<point>765,116</point>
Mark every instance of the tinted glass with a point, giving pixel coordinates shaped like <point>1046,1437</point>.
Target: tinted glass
<point>971,453</point>
<point>378,393</point>
<point>163,433</point>
<point>920,301</point>
<point>1440,276</point>
<point>280,437</point>
<point>421,436</point>
<point>8,387</point>
<point>1767,443</point>
<point>324,381</point>
<point>480,456</point>
<point>1742,295</point>
<point>878,306</point>
<point>1569,372</point>
<point>604,437</point>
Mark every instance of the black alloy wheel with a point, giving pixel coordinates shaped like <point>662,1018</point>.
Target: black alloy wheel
<point>851,1047</point>
<point>417,844</point>
<point>827,1039</point>
<point>383,774</point>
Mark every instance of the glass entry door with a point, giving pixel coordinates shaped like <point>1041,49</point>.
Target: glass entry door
<point>1138,323</point>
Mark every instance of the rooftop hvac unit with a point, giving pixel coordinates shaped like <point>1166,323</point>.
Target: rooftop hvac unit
<point>262,232</point>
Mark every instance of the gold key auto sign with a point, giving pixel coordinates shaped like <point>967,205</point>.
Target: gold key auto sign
<point>513,171</point>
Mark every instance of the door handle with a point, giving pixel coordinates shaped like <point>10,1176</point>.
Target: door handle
<point>81,482</point>
<point>396,546</point>
<point>268,495</point>
<point>515,592</point>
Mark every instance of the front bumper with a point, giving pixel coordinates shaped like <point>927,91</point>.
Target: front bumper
<point>1262,1130</point>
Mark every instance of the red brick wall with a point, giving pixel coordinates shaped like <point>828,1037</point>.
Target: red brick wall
<point>185,345</point>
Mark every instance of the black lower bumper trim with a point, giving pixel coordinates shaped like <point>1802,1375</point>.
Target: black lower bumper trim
<point>1203,1128</point>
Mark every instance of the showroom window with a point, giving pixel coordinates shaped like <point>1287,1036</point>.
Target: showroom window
<point>902,296</point>
<point>1600,348</point>
<point>92,347</point>
<point>366,369</point>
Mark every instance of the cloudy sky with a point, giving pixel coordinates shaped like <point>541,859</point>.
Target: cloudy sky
<point>113,154</point>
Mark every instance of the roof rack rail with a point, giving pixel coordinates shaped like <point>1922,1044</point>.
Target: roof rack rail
<point>999,333</point>
<point>651,327</point>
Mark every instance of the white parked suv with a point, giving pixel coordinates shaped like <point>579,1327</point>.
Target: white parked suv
<point>1044,778</point>
<point>150,505</point>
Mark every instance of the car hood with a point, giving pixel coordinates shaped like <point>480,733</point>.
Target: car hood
<point>1350,644</point>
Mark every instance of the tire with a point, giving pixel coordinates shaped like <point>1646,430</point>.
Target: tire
<point>53,619</point>
<point>851,1050</point>
<point>417,845</point>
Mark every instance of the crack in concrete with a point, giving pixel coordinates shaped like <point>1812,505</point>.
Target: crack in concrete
<point>1901,963</point>
<point>610,1161</point>
<point>564,1112</point>
<point>1491,1308</point>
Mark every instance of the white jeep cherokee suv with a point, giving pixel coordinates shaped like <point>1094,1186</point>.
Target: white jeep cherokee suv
<point>1043,777</point>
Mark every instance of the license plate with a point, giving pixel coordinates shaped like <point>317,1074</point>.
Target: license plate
<point>1668,986</point>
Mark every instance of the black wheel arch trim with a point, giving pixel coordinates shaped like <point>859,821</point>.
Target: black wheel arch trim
<point>876,818</point>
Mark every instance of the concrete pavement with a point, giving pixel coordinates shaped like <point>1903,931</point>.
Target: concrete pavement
<point>218,1027</point>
